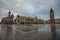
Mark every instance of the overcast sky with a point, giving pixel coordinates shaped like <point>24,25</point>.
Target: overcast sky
<point>30,8</point>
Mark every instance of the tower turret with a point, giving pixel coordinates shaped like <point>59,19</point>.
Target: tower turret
<point>9,14</point>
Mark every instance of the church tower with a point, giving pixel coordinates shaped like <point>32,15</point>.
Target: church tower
<point>52,22</point>
<point>9,14</point>
<point>52,16</point>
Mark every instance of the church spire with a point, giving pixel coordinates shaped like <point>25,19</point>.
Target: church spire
<point>9,13</point>
<point>51,10</point>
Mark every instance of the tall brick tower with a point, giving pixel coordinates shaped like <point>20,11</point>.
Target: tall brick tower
<point>52,22</point>
<point>52,16</point>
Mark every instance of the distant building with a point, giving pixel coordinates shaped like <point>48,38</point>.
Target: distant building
<point>57,21</point>
<point>24,19</point>
<point>52,19</point>
<point>8,19</point>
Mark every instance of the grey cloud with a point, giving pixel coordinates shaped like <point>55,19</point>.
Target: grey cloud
<point>39,8</point>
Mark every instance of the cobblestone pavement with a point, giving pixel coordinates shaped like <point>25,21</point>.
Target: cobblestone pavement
<point>8,33</point>
<point>34,35</point>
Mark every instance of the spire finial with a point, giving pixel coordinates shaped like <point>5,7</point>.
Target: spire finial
<point>51,10</point>
<point>9,12</point>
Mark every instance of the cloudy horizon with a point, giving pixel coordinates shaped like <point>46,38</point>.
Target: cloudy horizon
<point>30,8</point>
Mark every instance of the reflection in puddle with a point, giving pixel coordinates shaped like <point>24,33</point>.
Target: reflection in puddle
<point>14,32</point>
<point>6,32</point>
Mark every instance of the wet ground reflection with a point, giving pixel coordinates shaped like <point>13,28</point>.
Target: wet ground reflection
<point>8,32</point>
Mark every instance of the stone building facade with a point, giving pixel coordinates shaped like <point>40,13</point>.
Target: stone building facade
<point>9,19</point>
<point>23,19</point>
